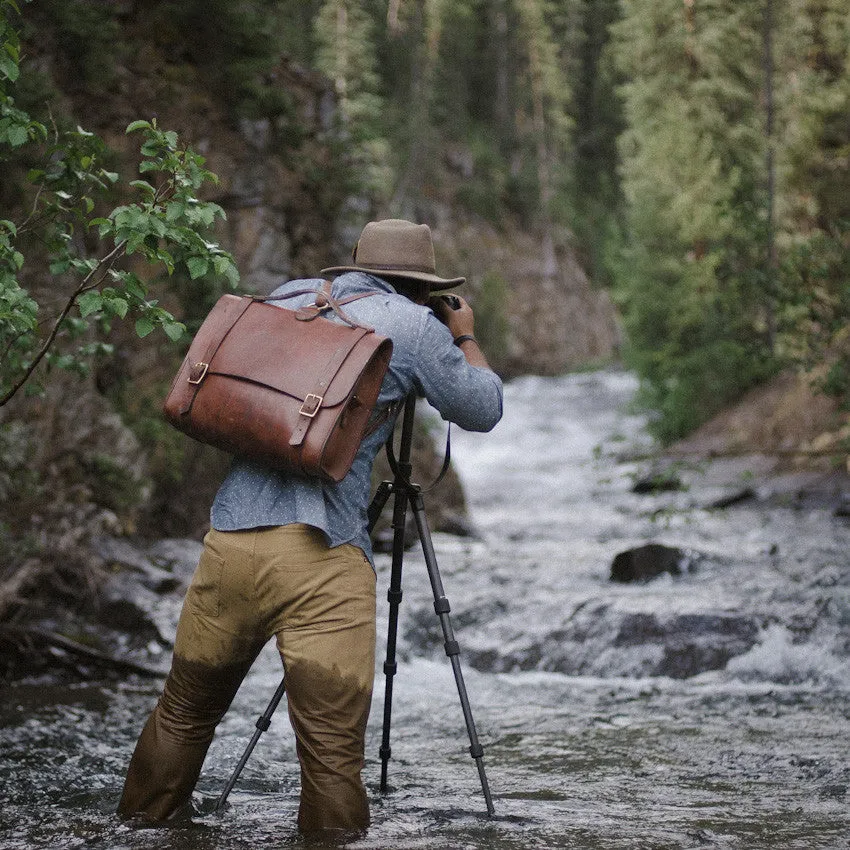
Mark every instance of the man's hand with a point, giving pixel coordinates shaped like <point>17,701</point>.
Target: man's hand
<point>457,316</point>
<point>458,319</point>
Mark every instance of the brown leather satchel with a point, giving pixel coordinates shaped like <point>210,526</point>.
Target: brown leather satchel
<point>287,387</point>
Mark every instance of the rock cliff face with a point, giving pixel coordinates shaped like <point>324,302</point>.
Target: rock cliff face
<point>554,323</point>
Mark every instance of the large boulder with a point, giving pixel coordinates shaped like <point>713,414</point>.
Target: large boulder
<point>647,562</point>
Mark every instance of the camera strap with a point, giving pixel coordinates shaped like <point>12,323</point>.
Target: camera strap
<point>447,457</point>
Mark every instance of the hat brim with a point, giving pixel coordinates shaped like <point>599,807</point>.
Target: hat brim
<point>435,283</point>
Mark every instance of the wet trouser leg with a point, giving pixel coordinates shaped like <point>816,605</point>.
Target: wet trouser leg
<point>326,639</point>
<point>170,752</point>
<point>216,643</point>
<point>321,604</point>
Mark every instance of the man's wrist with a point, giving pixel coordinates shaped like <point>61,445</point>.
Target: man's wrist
<point>462,338</point>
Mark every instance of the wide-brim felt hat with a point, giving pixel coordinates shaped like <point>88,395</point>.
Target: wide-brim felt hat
<point>396,248</point>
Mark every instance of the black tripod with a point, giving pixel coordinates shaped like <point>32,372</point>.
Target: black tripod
<point>406,494</point>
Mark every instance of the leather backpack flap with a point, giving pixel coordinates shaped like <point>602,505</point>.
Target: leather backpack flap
<point>331,441</point>
<point>273,349</point>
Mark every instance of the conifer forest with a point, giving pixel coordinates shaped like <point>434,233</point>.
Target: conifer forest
<point>696,151</point>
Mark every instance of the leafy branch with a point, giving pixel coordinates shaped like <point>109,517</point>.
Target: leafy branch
<point>165,225</point>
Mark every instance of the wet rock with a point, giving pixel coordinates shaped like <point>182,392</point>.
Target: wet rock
<point>382,539</point>
<point>842,509</point>
<point>687,644</point>
<point>122,554</point>
<point>177,556</point>
<point>647,562</point>
<point>458,525</point>
<point>657,480</point>
<point>600,642</point>
<point>694,643</point>
<point>734,498</point>
<point>127,606</point>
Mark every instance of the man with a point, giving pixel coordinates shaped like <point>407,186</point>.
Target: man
<point>290,557</point>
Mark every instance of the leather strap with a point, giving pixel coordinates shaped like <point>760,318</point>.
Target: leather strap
<point>313,401</point>
<point>198,370</point>
<point>324,301</point>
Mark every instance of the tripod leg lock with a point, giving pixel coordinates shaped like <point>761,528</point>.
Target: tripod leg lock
<point>476,751</point>
<point>452,648</point>
<point>385,753</point>
<point>394,597</point>
<point>390,668</point>
<point>263,723</point>
<point>441,606</point>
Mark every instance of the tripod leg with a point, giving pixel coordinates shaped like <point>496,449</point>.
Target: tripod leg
<point>442,608</point>
<point>263,723</point>
<point>394,595</point>
<point>380,498</point>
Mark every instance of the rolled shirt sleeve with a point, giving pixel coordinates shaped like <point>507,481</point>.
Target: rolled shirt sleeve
<point>469,396</point>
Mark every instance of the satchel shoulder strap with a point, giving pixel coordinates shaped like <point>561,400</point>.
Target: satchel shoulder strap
<point>324,302</point>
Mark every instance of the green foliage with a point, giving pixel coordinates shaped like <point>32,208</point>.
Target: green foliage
<point>815,298</point>
<point>89,43</point>
<point>692,278</point>
<point>640,125</point>
<point>594,199</point>
<point>235,45</point>
<point>346,53</point>
<point>165,226</point>
<point>814,280</point>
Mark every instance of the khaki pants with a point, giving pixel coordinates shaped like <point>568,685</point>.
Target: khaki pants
<point>320,603</point>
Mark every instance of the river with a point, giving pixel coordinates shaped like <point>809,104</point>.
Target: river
<point>705,709</point>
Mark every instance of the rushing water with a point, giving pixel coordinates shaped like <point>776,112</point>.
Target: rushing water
<point>708,709</point>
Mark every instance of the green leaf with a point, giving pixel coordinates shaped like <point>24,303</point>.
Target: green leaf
<point>134,287</point>
<point>104,225</point>
<point>174,210</point>
<point>143,326</point>
<point>198,266</point>
<point>9,67</point>
<point>138,125</point>
<point>143,186</point>
<point>60,266</point>
<point>174,330</point>
<point>17,135</point>
<point>119,306</point>
<point>89,302</point>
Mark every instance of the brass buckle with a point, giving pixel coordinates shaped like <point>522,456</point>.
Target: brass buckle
<point>311,405</point>
<point>195,377</point>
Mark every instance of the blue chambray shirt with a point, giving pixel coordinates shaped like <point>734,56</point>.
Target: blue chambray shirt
<point>424,358</point>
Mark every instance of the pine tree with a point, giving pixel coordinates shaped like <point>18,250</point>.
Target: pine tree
<point>550,123</point>
<point>815,167</point>
<point>595,197</point>
<point>692,280</point>
<point>347,55</point>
